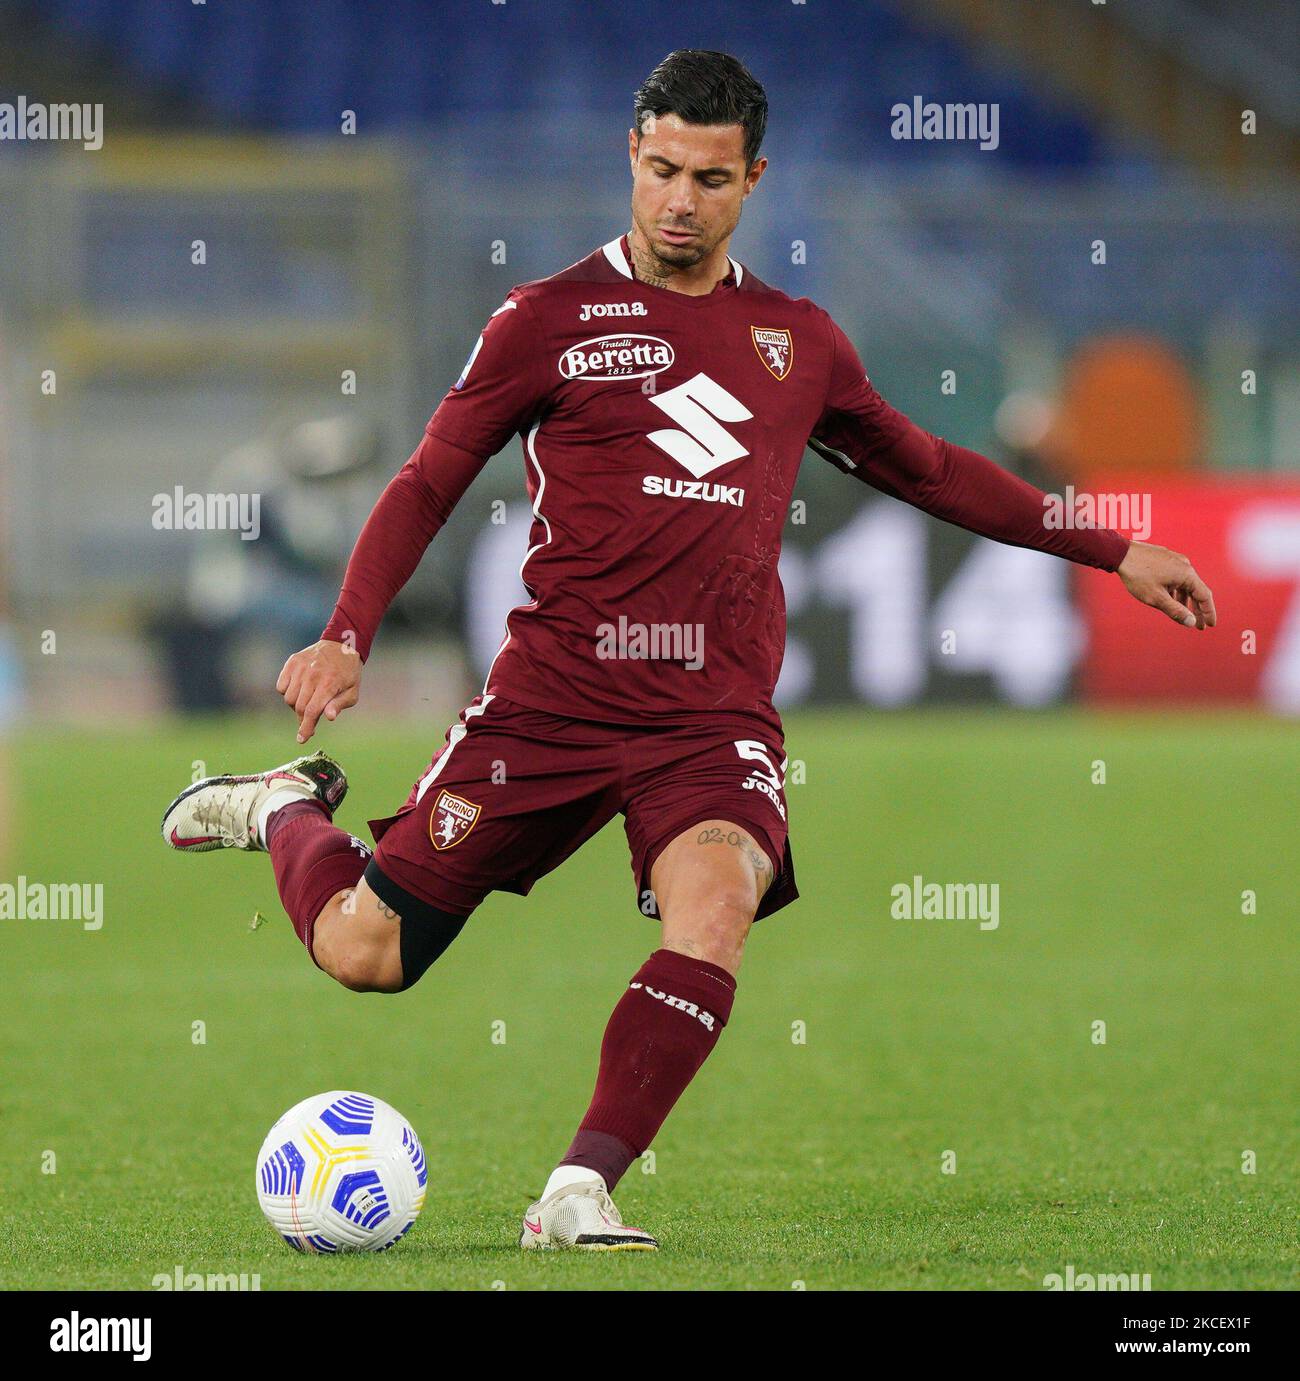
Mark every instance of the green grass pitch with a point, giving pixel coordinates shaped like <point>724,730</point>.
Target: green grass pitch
<point>818,1162</point>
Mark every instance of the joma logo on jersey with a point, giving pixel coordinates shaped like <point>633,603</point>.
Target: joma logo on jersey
<point>775,349</point>
<point>451,820</point>
<point>616,357</point>
<point>591,309</point>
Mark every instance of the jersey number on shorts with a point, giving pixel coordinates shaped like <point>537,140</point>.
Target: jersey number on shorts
<point>752,751</point>
<point>769,782</point>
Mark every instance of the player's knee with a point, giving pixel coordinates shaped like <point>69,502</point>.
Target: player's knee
<point>366,967</point>
<point>715,927</point>
<point>730,909</point>
<point>727,924</point>
<point>726,910</point>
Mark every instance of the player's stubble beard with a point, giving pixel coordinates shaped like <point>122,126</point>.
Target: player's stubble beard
<point>659,269</point>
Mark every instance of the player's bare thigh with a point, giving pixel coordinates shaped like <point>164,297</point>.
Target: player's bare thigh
<point>708,882</point>
<point>357,941</point>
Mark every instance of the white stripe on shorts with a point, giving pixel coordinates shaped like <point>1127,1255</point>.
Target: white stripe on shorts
<point>458,732</point>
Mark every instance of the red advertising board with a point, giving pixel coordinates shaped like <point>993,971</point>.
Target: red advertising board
<point>1243,537</point>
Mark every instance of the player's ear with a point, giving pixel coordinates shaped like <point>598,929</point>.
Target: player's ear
<point>631,146</point>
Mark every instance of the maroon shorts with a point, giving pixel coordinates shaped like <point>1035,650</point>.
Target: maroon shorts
<point>515,791</point>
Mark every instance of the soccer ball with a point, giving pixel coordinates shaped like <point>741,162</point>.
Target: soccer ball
<point>341,1172</point>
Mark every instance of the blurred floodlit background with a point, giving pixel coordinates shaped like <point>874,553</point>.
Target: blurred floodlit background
<point>303,211</point>
<point>260,280</point>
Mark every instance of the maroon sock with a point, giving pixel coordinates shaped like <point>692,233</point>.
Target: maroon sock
<point>659,1035</point>
<point>312,862</point>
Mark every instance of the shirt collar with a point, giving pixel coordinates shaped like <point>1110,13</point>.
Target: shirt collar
<point>619,256</point>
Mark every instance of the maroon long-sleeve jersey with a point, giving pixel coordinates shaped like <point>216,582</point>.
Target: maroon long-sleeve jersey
<point>662,435</point>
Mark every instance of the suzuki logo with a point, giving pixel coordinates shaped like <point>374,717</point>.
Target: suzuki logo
<point>699,406</point>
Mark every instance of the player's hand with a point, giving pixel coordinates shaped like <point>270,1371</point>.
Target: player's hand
<point>1166,581</point>
<point>323,679</point>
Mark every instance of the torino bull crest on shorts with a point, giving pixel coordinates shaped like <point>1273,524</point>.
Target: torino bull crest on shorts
<point>451,819</point>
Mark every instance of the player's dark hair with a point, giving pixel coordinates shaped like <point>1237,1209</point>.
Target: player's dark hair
<point>705,88</point>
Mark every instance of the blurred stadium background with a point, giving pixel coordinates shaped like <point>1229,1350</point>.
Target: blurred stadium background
<point>488,151</point>
<point>237,293</point>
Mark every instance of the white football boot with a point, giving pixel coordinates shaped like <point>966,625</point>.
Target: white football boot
<point>581,1216</point>
<point>223,812</point>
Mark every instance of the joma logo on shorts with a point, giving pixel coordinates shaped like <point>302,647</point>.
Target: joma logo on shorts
<point>706,1019</point>
<point>757,783</point>
<point>591,309</point>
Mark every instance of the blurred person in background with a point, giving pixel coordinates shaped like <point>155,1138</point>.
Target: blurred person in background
<point>309,483</point>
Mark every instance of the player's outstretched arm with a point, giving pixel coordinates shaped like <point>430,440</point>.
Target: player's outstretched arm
<point>963,487</point>
<point>966,488</point>
<point>1166,581</point>
<point>325,678</point>
<point>861,434</point>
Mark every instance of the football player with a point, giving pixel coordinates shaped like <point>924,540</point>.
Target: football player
<point>664,396</point>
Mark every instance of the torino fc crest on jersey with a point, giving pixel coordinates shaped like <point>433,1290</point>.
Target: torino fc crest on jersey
<point>775,349</point>
<point>451,819</point>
